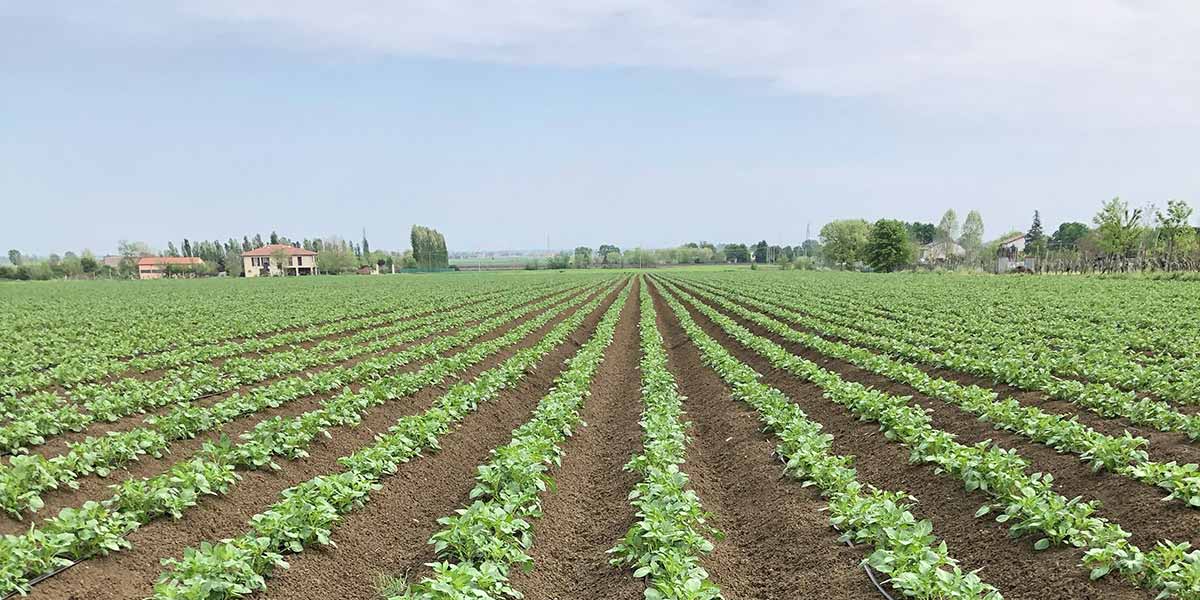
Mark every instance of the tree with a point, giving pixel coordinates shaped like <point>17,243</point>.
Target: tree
<point>274,238</point>
<point>737,253</point>
<point>14,258</point>
<point>972,233</point>
<point>258,243</point>
<point>1035,238</point>
<point>187,247</point>
<point>760,252</point>
<point>947,229</point>
<point>233,263</point>
<point>171,251</point>
<point>921,233</point>
<point>429,248</point>
<point>583,257</point>
<point>1068,235</point>
<point>843,241</point>
<point>1118,228</point>
<point>888,247</point>
<point>71,265</point>
<point>280,259</point>
<point>88,263</point>
<point>608,252</point>
<point>366,246</point>
<point>246,247</point>
<point>335,256</point>
<point>1174,232</point>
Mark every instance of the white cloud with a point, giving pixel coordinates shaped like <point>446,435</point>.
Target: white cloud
<point>1124,62</point>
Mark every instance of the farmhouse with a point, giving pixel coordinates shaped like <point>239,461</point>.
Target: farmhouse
<point>1014,243</point>
<point>155,267</point>
<point>941,252</point>
<point>265,261</point>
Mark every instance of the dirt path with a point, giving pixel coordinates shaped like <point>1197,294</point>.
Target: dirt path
<point>131,574</point>
<point>1012,566</point>
<point>778,543</point>
<point>589,511</point>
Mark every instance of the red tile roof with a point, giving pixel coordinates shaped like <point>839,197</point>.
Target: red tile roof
<point>271,248</point>
<point>169,260</point>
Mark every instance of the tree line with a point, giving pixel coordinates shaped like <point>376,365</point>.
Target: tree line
<point>334,255</point>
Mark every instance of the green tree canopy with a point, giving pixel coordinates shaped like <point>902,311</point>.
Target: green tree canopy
<point>843,242</point>
<point>947,229</point>
<point>888,247</point>
<point>1174,232</point>
<point>429,248</point>
<point>1118,227</point>
<point>1068,235</point>
<point>972,233</point>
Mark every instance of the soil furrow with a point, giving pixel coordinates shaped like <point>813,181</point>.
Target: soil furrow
<point>588,511</point>
<point>1137,507</point>
<point>778,541</point>
<point>388,537</point>
<point>131,574</point>
<point>1017,570</point>
<point>1164,446</point>
<point>95,488</point>
<point>58,444</point>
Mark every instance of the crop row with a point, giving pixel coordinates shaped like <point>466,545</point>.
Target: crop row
<point>100,527</point>
<point>77,334</point>
<point>194,354</point>
<point>1147,321</point>
<point>1027,501</point>
<point>1124,455</point>
<point>131,396</point>
<point>904,548</point>
<point>664,545</point>
<point>25,477</point>
<point>1102,399</point>
<point>507,490</point>
<point>1065,356</point>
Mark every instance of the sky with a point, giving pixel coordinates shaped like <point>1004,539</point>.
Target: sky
<point>525,124</point>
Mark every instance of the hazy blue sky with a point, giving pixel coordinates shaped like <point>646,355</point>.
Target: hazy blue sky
<point>619,121</point>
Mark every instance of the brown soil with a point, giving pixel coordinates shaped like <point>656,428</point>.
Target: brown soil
<point>979,544</point>
<point>95,488</point>
<point>389,536</point>
<point>130,574</point>
<point>588,512</point>
<point>58,444</point>
<point>778,542</point>
<point>1164,446</point>
<point>1137,507</point>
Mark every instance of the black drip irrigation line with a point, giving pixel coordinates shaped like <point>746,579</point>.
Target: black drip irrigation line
<point>43,577</point>
<point>870,572</point>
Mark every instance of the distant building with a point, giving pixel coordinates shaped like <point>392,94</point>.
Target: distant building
<point>368,270</point>
<point>941,252</point>
<point>1013,244</point>
<point>259,262</point>
<point>112,261</point>
<point>155,267</point>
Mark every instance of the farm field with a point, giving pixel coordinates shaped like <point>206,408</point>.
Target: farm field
<point>662,434</point>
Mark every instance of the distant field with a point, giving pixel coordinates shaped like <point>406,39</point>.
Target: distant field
<point>492,263</point>
<point>671,433</point>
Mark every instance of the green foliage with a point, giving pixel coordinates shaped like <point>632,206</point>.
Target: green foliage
<point>844,242</point>
<point>666,542</point>
<point>429,248</point>
<point>1118,228</point>
<point>888,247</point>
